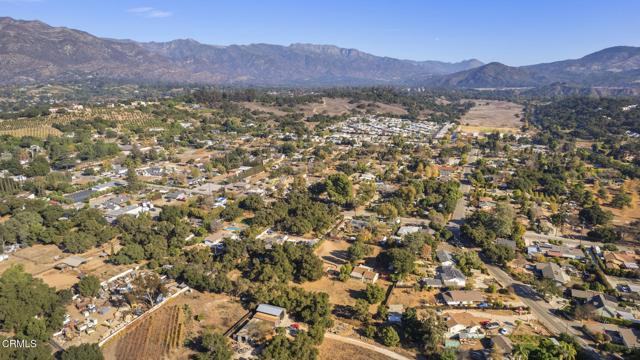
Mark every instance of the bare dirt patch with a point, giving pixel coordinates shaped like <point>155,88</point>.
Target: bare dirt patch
<point>491,114</point>
<point>256,106</point>
<point>340,293</point>
<point>336,350</point>
<point>214,311</point>
<point>412,298</point>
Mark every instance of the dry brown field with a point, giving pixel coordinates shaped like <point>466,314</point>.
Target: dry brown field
<point>491,115</point>
<point>336,350</point>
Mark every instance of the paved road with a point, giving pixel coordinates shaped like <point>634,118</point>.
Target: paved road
<point>539,308</point>
<point>365,345</point>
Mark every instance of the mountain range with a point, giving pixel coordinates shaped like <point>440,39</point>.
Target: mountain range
<point>34,52</point>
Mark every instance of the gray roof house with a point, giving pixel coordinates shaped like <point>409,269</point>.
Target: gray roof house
<point>444,257</point>
<point>552,271</point>
<point>451,276</point>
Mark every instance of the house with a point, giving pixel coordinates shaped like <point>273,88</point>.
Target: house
<point>582,296</point>
<point>465,324</point>
<point>552,271</point>
<point>486,203</point>
<point>271,313</point>
<point>451,276</point>
<point>207,189</point>
<point>502,344</point>
<point>628,338</point>
<point>507,243</point>
<point>365,274</point>
<point>176,195</point>
<point>621,260</point>
<point>446,172</point>
<point>605,306</point>
<point>71,261</point>
<point>395,313</point>
<point>133,210</point>
<point>462,297</point>
<point>432,283</point>
<point>444,257</point>
<point>406,230</point>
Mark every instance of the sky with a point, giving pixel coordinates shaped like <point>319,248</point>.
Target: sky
<point>514,32</point>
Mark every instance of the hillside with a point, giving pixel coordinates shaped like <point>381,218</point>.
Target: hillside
<point>31,51</point>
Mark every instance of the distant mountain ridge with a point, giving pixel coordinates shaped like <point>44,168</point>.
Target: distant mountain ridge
<point>34,52</point>
<point>614,66</point>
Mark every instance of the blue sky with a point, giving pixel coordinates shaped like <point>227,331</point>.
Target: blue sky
<point>515,32</point>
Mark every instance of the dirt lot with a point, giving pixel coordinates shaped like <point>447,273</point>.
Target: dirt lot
<point>39,260</point>
<point>336,350</point>
<point>261,107</point>
<point>339,106</point>
<point>341,293</point>
<point>411,298</point>
<point>492,115</point>
<point>36,259</point>
<point>334,252</point>
<point>631,213</point>
<point>329,106</point>
<point>216,312</point>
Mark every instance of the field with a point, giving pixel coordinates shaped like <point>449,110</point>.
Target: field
<point>411,298</point>
<point>39,261</point>
<point>491,115</point>
<point>631,213</point>
<point>329,106</point>
<point>43,126</point>
<point>38,132</point>
<point>333,252</point>
<point>336,350</point>
<point>214,311</point>
<point>152,338</point>
<point>340,293</point>
<point>208,312</point>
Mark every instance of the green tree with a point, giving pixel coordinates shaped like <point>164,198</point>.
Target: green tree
<point>133,183</point>
<point>28,307</point>
<point>345,272</point>
<point>252,202</point>
<point>217,347</point>
<point>361,310</point>
<point>358,250</point>
<point>401,260</point>
<point>82,352</point>
<point>89,286</point>
<point>231,212</point>
<point>621,200</point>
<point>339,188</point>
<point>547,287</point>
<point>389,336</point>
<point>374,293</point>
<point>39,166</point>
<point>594,215</point>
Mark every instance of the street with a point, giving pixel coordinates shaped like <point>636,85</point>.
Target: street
<point>539,308</point>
